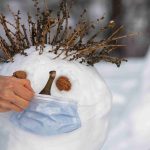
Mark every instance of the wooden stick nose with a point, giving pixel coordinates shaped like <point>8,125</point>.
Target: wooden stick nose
<point>47,89</point>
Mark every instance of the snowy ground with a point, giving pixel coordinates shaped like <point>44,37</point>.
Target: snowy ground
<point>130,123</point>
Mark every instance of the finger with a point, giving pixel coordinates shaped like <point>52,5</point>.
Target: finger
<point>27,84</point>
<point>12,97</point>
<point>5,105</point>
<point>20,102</point>
<point>24,82</point>
<point>4,110</point>
<point>23,92</point>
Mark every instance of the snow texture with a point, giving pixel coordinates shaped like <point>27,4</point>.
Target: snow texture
<point>88,90</point>
<point>130,86</point>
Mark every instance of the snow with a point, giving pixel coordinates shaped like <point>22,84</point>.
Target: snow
<point>88,90</point>
<point>130,124</point>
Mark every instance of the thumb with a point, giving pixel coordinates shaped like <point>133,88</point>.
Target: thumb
<point>22,78</point>
<point>26,83</point>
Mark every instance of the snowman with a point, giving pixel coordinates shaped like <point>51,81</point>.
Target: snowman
<point>70,109</point>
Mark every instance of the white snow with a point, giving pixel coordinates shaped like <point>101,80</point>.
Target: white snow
<point>88,90</point>
<point>130,123</point>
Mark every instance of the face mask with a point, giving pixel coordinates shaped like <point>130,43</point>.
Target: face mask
<point>48,115</point>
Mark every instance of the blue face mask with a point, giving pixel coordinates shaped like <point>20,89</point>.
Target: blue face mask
<point>48,115</point>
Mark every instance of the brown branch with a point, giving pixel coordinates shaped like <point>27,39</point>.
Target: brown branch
<point>74,43</point>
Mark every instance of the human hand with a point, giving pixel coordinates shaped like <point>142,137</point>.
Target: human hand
<point>15,94</point>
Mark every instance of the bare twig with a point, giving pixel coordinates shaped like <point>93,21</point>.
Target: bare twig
<point>66,39</point>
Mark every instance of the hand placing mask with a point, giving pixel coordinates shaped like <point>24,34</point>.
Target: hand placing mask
<point>47,116</point>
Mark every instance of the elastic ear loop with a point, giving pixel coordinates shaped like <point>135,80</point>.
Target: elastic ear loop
<point>97,114</point>
<point>48,98</point>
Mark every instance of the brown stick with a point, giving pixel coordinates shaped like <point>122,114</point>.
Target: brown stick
<point>47,89</point>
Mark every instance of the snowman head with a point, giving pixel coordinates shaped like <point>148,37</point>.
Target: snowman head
<point>56,57</point>
<point>50,44</point>
<point>51,52</point>
<point>71,80</point>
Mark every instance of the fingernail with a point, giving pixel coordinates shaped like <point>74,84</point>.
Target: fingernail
<point>21,110</point>
<point>32,90</point>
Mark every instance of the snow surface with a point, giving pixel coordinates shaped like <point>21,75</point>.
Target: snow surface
<point>130,86</point>
<point>130,123</point>
<point>88,90</point>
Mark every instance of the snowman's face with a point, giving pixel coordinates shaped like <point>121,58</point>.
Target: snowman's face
<point>87,89</point>
<point>86,86</point>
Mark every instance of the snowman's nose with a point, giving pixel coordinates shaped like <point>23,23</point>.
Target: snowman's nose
<point>47,89</point>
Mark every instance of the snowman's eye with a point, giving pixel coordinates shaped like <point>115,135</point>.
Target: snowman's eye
<point>20,74</point>
<point>63,83</point>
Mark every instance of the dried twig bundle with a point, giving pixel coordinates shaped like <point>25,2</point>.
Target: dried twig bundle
<point>66,40</point>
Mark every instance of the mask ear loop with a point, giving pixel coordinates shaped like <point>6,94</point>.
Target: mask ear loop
<point>99,113</point>
<point>48,98</point>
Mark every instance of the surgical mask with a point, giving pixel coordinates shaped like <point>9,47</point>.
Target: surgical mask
<point>47,116</point>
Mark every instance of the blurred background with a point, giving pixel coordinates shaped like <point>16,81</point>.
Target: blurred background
<point>130,84</point>
<point>134,15</point>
